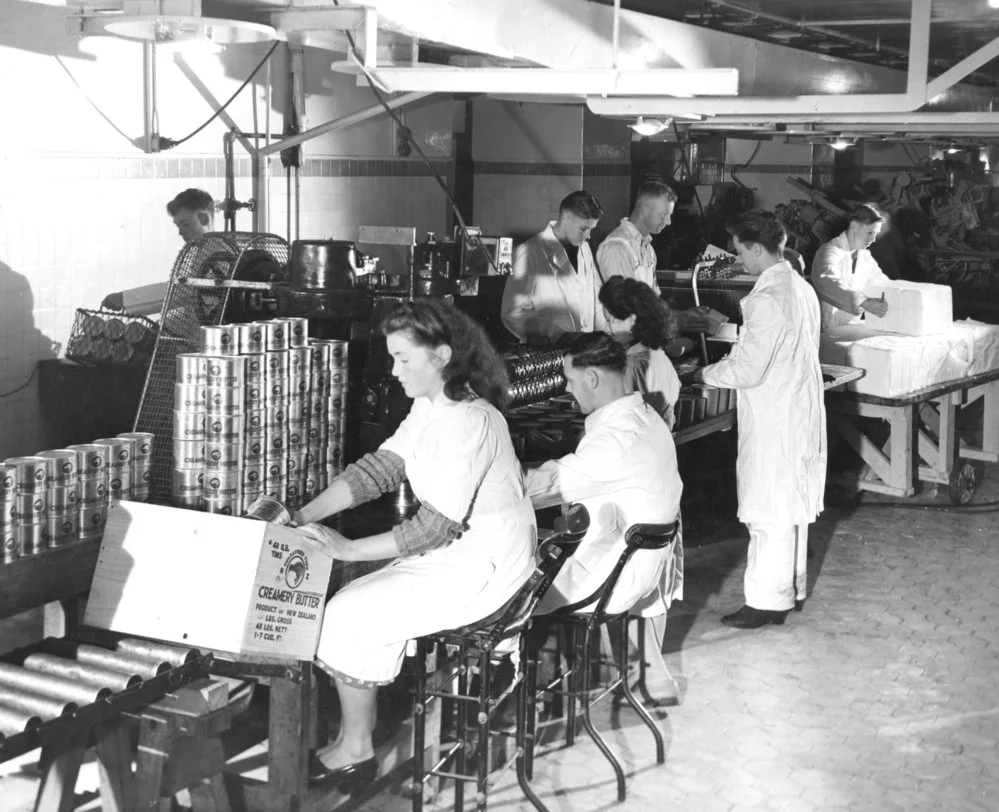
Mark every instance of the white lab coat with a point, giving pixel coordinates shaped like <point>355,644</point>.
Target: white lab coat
<point>841,288</point>
<point>654,377</point>
<point>781,467</point>
<point>626,252</point>
<point>624,472</point>
<point>545,296</point>
<point>459,460</point>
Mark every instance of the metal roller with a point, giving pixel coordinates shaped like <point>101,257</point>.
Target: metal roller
<point>45,707</point>
<point>113,660</point>
<point>48,685</point>
<point>13,721</point>
<point>82,672</point>
<point>148,650</point>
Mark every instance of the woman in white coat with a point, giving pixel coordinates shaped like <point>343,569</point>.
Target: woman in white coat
<point>843,270</point>
<point>644,323</point>
<point>781,467</point>
<point>467,550</point>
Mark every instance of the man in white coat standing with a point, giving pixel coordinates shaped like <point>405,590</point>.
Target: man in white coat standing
<point>553,287</point>
<point>843,270</point>
<point>781,468</point>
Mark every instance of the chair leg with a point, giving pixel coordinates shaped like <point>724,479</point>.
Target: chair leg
<point>646,717</point>
<point>584,698</point>
<point>640,632</point>
<point>461,728</point>
<point>482,765</point>
<point>573,655</point>
<point>526,706</point>
<point>557,698</point>
<point>419,725</point>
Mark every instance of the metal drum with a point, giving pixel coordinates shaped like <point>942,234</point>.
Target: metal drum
<point>62,500</point>
<point>192,368</point>
<point>189,455</point>
<point>93,492</point>
<point>253,451</point>
<point>223,457</point>
<point>253,396</point>
<point>253,422</point>
<point>276,443</point>
<point>298,331</point>
<point>220,340</point>
<point>254,369</point>
<point>249,338</point>
<point>275,468</point>
<point>30,473</point>
<point>275,335</point>
<point>338,354</point>
<point>225,371</point>
<point>92,521</point>
<point>30,538</point>
<point>61,468</point>
<point>91,460</point>
<point>142,444</point>
<point>253,479</point>
<point>275,392</point>
<point>121,452</point>
<point>221,486</point>
<point>120,484</point>
<point>298,434</point>
<point>187,486</point>
<point>30,508</point>
<point>276,418</point>
<point>338,380</point>
<point>59,531</point>
<point>188,426</point>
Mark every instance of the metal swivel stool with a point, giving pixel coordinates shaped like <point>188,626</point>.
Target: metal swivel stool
<point>477,653</point>
<point>574,684</point>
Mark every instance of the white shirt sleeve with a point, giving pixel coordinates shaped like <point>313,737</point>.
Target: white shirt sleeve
<point>517,310</point>
<point>615,258</point>
<point>830,270</point>
<point>406,436</point>
<point>754,352</point>
<point>593,470</point>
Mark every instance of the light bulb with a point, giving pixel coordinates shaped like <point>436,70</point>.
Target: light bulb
<point>650,126</point>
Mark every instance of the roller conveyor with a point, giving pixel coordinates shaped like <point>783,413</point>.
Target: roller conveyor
<point>52,691</point>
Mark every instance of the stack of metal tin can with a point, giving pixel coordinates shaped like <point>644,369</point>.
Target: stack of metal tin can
<point>93,466</point>
<point>142,463</point>
<point>26,507</point>
<point>189,431</point>
<point>119,467</point>
<point>277,343</point>
<point>250,345</point>
<point>225,376</point>
<point>299,411</point>
<point>8,538</point>
<point>62,497</point>
<point>337,409</point>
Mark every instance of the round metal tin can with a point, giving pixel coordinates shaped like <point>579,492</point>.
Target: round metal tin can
<point>254,371</point>
<point>141,493</point>
<point>223,401</point>
<point>298,461</point>
<point>275,335</point>
<point>221,340</point>
<point>277,444</point>
<point>187,484</point>
<point>310,488</point>
<point>93,492</point>
<point>225,429</point>
<point>275,468</point>
<point>299,390</point>
<point>224,506</point>
<point>30,473</point>
<point>8,482</point>
<point>255,419</point>
<point>188,502</point>
<point>314,434</point>
<point>321,383</point>
<point>120,484</point>
<point>275,394</point>
<point>253,451</point>
<point>270,510</point>
<point>58,531</point>
<point>8,544</point>
<point>338,354</point>
<point>30,539</point>
<point>30,508</point>
<point>297,435</point>
<point>121,451</point>
<point>223,457</point>
<point>293,491</point>
<point>335,403</point>
<point>255,433</point>
<point>92,521</point>
<point>221,485</point>
<point>253,398</point>
<point>61,500</point>
<point>142,444</point>
<point>322,456</point>
<point>189,455</point>
<point>275,488</point>
<point>276,418</point>
<point>321,353</point>
<point>338,379</point>
<point>298,331</point>
<point>61,468</point>
<point>222,371</point>
<point>300,362</point>
<point>188,426</point>
<point>192,368</point>
<point>276,365</point>
<point>253,478</point>
<point>142,476</point>
<point>91,460</point>
<point>249,338</point>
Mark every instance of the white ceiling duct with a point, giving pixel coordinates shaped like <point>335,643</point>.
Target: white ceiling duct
<point>171,29</point>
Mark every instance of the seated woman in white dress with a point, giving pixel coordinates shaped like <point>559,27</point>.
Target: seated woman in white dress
<point>644,323</point>
<point>461,557</point>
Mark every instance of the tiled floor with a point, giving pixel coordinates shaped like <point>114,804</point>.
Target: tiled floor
<point>882,696</point>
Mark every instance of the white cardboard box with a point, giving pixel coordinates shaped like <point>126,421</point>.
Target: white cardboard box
<point>914,308</point>
<point>208,581</point>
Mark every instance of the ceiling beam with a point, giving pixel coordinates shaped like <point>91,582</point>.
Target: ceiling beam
<point>965,67</point>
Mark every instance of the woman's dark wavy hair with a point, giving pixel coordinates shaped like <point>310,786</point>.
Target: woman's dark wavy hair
<point>475,368</point>
<point>655,323</point>
<point>597,350</point>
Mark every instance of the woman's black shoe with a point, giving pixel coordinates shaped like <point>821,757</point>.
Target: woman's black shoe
<point>352,780</point>
<point>748,617</point>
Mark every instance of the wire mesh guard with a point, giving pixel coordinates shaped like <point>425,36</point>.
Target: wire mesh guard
<point>221,256</point>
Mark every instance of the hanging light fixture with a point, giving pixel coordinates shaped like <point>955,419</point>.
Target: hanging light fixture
<point>650,126</point>
<point>953,148</point>
<point>840,143</point>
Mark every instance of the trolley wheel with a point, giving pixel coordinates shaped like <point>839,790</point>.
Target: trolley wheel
<point>963,481</point>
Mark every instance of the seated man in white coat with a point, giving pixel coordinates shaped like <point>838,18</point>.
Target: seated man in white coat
<point>553,288</point>
<point>781,466</point>
<point>843,270</point>
<point>624,471</point>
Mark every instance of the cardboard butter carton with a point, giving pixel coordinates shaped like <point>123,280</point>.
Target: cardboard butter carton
<point>914,308</point>
<point>209,581</point>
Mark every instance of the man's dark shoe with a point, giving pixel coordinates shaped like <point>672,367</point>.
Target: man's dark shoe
<point>749,618</point>
<point>799,604</point>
